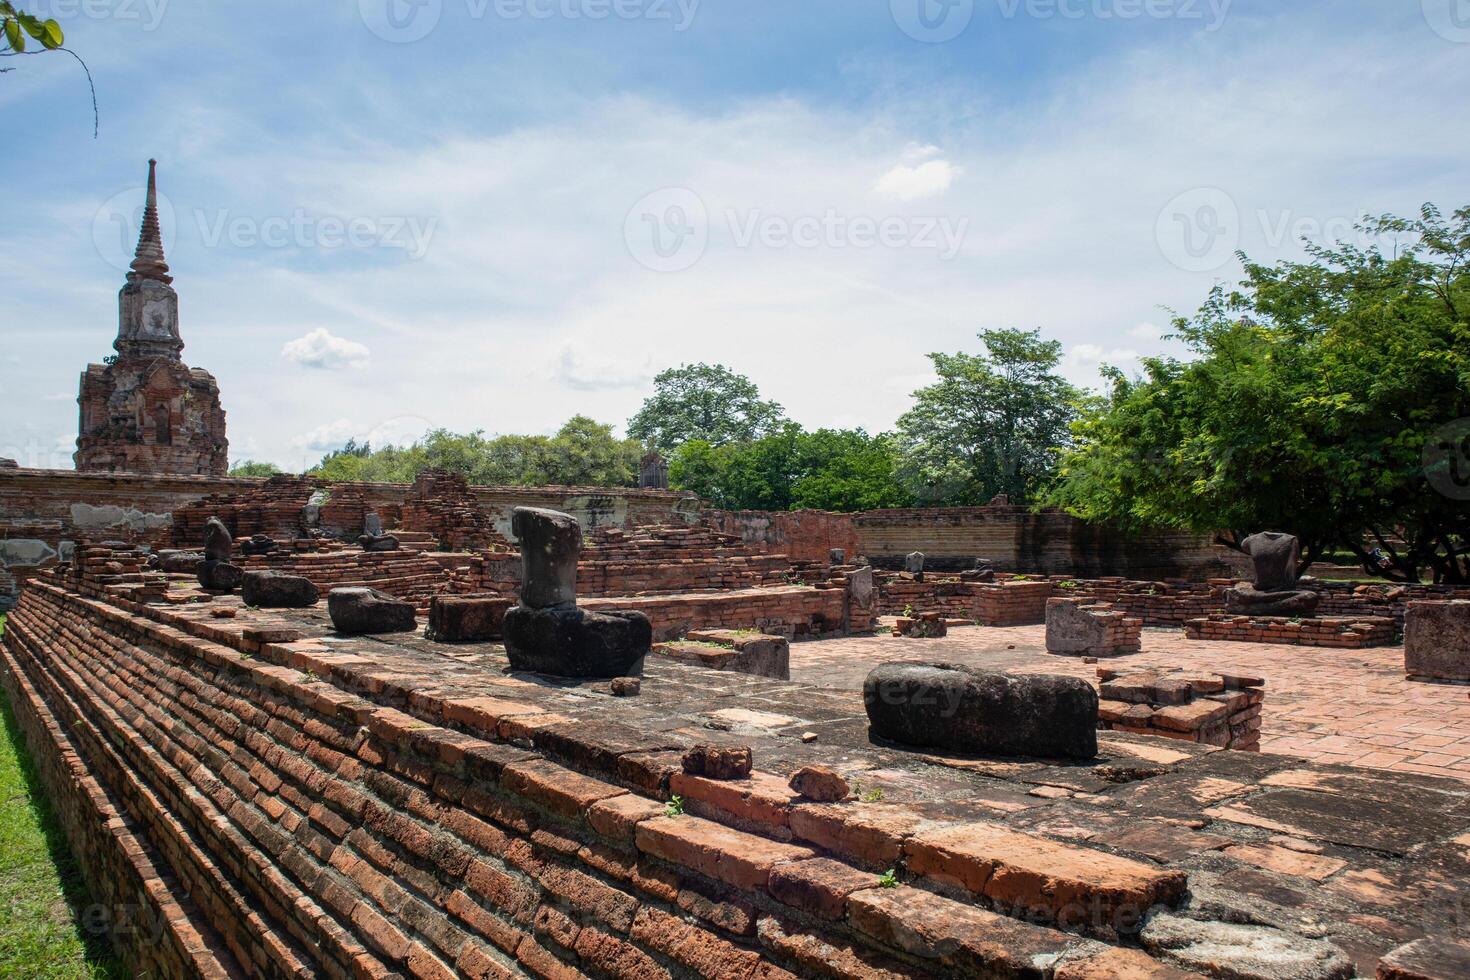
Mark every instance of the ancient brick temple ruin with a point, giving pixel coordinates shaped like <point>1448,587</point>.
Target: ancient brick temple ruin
<point>145,411</point>
<point>267,792</point>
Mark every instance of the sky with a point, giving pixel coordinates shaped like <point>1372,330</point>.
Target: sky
<point>387,216</point>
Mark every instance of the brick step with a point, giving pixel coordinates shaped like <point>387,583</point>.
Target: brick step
<point>437,849</point>
<point>194,828</point>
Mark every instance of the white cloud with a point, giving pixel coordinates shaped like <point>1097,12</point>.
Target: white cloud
<point>326,437</point>
<point>321,349</point>
<point>921,174</point>
<point>1084,357</point>
<point>580,372</point>
<point>1146,331</point>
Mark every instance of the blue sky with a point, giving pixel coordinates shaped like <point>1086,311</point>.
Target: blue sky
<point>494,215</point>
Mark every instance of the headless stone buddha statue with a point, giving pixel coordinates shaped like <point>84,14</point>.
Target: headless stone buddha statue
<point>1275,556</point>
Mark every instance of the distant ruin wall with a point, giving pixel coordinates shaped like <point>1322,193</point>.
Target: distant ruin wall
<point>804,535</point>
<point>1016,539</point>
<point>44,512</point>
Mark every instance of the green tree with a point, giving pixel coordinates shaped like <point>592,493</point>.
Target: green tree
<point>1327,398</point>
<point>994,422</point>
<point>250,467</point>
<point>586,453</point>
<point>841,470</point>
<point>706,402</point>
<point>583,453</point>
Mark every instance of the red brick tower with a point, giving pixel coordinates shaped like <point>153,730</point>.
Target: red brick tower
<point>145,411</point>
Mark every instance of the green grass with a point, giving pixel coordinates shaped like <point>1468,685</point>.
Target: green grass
<point>42,895</point>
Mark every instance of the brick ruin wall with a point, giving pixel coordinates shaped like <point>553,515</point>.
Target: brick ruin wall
<point>1016,539</point>
<point>1157,603</point>
<point>44,512</point>
<point>254,801</point>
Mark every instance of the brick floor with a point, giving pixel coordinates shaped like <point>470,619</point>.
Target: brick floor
<point>1346,706</point>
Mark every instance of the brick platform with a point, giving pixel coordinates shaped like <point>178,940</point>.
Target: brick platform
<point>1351,707</point>
<point>1351,634</point>
<point>1212,708</point>
<point>368,806</point>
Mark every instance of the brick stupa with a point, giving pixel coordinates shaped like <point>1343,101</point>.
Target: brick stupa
<point>145,411</point>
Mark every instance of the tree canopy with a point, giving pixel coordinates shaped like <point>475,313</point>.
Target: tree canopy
<point>829,469</point>
<point>1327,398</point>
<point>994,422</point>
<point>706,403</point>
<point>250,467</point>
<point>582,453</point>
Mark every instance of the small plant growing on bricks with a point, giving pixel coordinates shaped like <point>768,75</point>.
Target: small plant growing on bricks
<point>675,806</point>
<point>889,879</point>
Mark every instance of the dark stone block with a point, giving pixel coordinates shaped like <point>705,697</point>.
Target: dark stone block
<point>259,544</point>
<point>220,576</point>
<point>179,561</point>
<point>378,542</point>
<point>982,711</point>
<point>362,610</point>
<point>550,543</point>
<point>276,590</point>
<point>463,619</point>
<point>571,642</point>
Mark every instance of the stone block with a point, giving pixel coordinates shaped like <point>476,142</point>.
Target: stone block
<point>572,642</point>
<point>276,590</point>
<point>962,708</point>
<point>466,619</point>
<point>361,611</point>
<point>1437,640</point>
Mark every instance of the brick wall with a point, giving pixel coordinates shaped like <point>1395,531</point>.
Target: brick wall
<point>1348,633</point>
<point>1017,539</point>
<point>379,808</point>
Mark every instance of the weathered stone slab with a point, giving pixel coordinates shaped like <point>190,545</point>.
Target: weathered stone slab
<point>988,712</point>
<point>1437,640</point>
<point>465,619</point>
<point>1222,949</point>
<point>362,610</point>
<point>276,590</point>
<point>571,642</point>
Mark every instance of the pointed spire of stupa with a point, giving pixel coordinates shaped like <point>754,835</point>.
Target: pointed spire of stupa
<point>148,260</point>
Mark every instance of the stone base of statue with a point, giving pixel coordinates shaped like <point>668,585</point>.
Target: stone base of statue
<point>220,576</point>
<point>1245,600</point>
<point>569,642</point>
